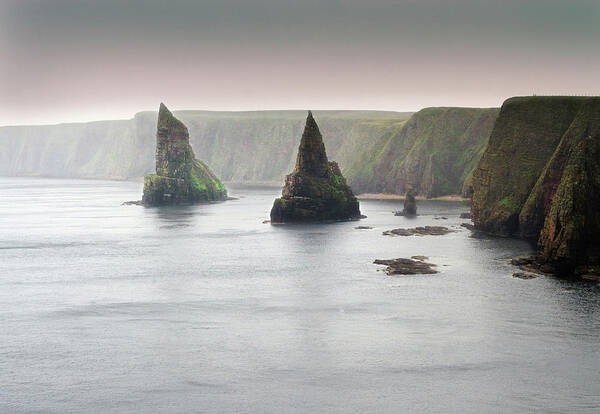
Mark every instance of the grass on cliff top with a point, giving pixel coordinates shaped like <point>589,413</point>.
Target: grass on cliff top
<point>545,100</point>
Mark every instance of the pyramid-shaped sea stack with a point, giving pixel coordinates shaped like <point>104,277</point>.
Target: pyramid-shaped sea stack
<point>316,189</point>
<point>180,178</point>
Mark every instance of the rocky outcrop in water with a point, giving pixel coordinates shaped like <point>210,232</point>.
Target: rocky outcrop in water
<point>403,266</point>
<point>419,231</point>
<point>410,204</point>
<point>180,178</point>
<point>316,189</point>
<point>539,179</point>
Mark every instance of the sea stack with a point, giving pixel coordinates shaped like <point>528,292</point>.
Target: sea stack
<point>410,204</point>
<point>180,178</point>
<point>316,190</point>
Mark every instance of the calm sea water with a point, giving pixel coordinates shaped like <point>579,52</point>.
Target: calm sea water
<point>126,309</point>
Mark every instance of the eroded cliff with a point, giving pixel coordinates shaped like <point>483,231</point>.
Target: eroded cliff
<point>538,179</point>
<point>434,153</point>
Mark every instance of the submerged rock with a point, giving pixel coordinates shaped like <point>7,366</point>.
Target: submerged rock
<point>531,264</point>
<point>180,178</point>
<point>403,266</point>
<point>465,215</point>
<point>419,231</point>
<point>316,189</point>
<point>523,275</point>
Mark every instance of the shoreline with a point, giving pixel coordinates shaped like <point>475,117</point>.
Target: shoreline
<point>384,196</point>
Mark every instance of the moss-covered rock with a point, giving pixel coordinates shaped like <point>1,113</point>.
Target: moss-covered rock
<point>180,178</point>
<point>316,189</point>
<point>536,179</point>
<point>570,236</point>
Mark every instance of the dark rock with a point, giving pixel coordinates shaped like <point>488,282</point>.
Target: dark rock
<point>531,265</point>
<point>180,178</point>
<point>522,275</point>
<point>522,261</point>
<point>410,204</point>
<point>468,226</point>
<point>419,231</point>
<point>590,276</point>
<point>465,215</point>
<point>363,228</point>
<point>133,203</point>
<point>406,266</point>
<point>316,189</point>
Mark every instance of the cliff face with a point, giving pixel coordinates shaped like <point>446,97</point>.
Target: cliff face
<point>538,178</point>
<point>249,147</point>
<point>570,236</point>
<point>379,151</point>
<point>434,152</point>
<point>316,189</point>
<point>180,178</point>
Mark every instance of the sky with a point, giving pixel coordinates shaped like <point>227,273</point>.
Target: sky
<point>82,60</point>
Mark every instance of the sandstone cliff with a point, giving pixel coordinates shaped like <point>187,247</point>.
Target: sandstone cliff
<point>180,178</point>
<point>316,189</point>
<point>538,178</point>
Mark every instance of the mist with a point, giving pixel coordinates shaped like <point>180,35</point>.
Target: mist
<point>70,60</point>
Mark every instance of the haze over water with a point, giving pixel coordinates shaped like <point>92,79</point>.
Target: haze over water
<point>111,308</point>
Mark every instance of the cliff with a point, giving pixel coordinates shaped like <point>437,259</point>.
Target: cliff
<point>435,152</point>
<point>538,179</point>
<point>180,178</point>
<point>316,189</point>
<point>247,147</point>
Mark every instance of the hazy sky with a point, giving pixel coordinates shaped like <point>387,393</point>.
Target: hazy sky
<point>76,60</point>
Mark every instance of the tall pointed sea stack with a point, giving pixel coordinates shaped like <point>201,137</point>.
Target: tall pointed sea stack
<point>316,189</point>
<point>180,178</point>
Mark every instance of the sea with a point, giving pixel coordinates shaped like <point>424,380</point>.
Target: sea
<point>112,308</point>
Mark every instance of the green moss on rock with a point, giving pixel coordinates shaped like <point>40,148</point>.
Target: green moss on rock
<point>180,178</point>
<point>570,236</point>
<point>537,178</point>
<point>316,189</point>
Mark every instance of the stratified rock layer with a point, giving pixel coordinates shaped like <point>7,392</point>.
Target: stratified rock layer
<point>539,179</point>
<point>180,178</point>
<point>316,189</point>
